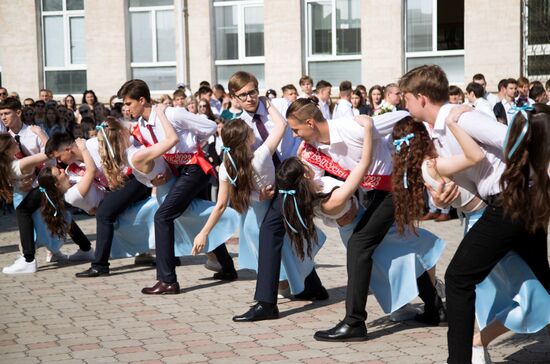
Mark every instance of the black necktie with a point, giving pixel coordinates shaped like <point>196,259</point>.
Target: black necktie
<point>21,154</point>
<point>264,134</point>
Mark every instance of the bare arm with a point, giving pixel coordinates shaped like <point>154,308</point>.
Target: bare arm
<point>221,204</point>
<point>143,158</point>
<point>278,130</point>
<point>85,183</point>
<point>473,154</point>
<point>340,196</point>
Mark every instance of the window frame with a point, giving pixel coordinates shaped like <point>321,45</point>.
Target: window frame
<point>66,16</point>
<point>309,42</point>
<point>241,34</point>
<point>152,10</point>
<point>434,52</point>
<point>538,49</point>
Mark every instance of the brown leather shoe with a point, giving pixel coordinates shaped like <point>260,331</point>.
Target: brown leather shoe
<point>162,288</point>
<point>443,217</point>
<point>430,216</point>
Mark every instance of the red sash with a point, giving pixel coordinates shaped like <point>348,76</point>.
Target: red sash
<point>77,170</point>
<point>177,159</point>
<point>319,159</point>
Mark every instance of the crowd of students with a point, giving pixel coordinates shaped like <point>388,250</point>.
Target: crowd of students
<point>361,163</point>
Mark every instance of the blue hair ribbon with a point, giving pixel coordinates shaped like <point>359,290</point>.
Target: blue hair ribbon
<point>515,110</point>
<point>43,190</point>
<point>226,151</point>
<point>293,194</point>
<point>398,144</point>
<point>101,128</point>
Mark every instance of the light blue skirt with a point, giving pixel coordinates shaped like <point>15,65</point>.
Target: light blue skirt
<point>397,262</point>
<point>511,294</point>
<point>42,235</point>
<point>135,228</point>
<point>293,268</point>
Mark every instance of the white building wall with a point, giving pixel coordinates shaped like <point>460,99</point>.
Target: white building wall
<point>201,46</point>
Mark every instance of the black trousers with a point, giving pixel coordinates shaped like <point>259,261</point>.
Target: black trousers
<point>272,232</point>
<point>191,183</point>
<point>369,232</point>
<point>487,242</point>
<point>114,203</point>
<point>24,212</point>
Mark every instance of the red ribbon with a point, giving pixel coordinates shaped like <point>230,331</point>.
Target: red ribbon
<point>323,161</point>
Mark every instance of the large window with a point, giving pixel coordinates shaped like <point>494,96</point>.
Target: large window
<point>435,35</point>
<point>64,45</point>
<point>239,38</point>
<point>536,22</point>
<point>333,38</point>
<point>153,44</point>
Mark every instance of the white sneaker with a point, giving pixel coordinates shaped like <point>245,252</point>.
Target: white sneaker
<point>284,293</point>
<point>405,313</point>
<point>213,265</point>
<point>56,257</point>
<point>82,256</point>
<point>144,259</point>
<point>21,266</point>
<point>480,355</point>
<point>440,288</point>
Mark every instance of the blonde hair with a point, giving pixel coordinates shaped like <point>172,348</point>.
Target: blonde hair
<point>113,151</point>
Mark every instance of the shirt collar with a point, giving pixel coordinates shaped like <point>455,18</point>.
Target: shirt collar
<point>151,121</point>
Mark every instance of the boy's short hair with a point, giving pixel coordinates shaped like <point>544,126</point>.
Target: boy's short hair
<point>345,88</point>
<point>322,84</point>
<point>501,84</point>
<point>204,90</point>
<point>455,90</point>
<point>135,89</point>
<point>11,103</point>
<point>179,93</point>
<point>522,81</point>
<point>304,79</point>
<point>428,80</point>
<point>478,77</point>
<point>239,80</point>
<point>289,87</point>
<point>476,88</point>
<point>56,142</point>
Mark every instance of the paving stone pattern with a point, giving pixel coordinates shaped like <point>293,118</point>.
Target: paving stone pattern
<point>53,317</point>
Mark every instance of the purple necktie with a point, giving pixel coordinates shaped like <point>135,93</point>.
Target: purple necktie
<point>264,134</point>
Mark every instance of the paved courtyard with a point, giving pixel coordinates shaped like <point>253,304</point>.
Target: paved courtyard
<point>52,317</point>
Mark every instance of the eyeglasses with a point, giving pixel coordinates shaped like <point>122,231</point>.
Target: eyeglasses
<point>244,96</point>
<point>3,94</point>
<point>202,106</point>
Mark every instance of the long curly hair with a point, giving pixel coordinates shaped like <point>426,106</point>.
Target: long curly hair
<point>235,135</point>
<point>113,166</point>
<point>53,216</point>
<point>6,188</point>
<point>291,175</point>
<point>409,202</point>
<point>525,182</point>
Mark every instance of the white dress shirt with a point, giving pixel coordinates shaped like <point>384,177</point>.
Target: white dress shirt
<point>30,142</point>
<point>346,144</point>
<point>484,106</point>
<point>287,147</point>
<point>3,128</point>
<point>343,109</point>
<point>325,109</point>
<point>484,177</point>
<point>191,129</point>
<point>507,105</point>
<point>492,98</point>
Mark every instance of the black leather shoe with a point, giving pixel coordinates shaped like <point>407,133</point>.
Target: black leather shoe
<point>342,332</point>
<point>434,317</point>
<point>162,288</point>
<point>258,312</point>
<point>91,273</point>
<point>320,295</point>
<point>226,276</point>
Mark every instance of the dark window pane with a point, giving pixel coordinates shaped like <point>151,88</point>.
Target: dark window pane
<point>538,22</point>
<point>254,31</point>
<point>538,65</point>
<point>137,3</point>
<point>52,5</point>
<point>75,4</point>
<point>348,27</point>
<point>450,25</point>
<point>66,82</point>
<point>157,78</point>
<point>227,46</point>
<point>321,27</point>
